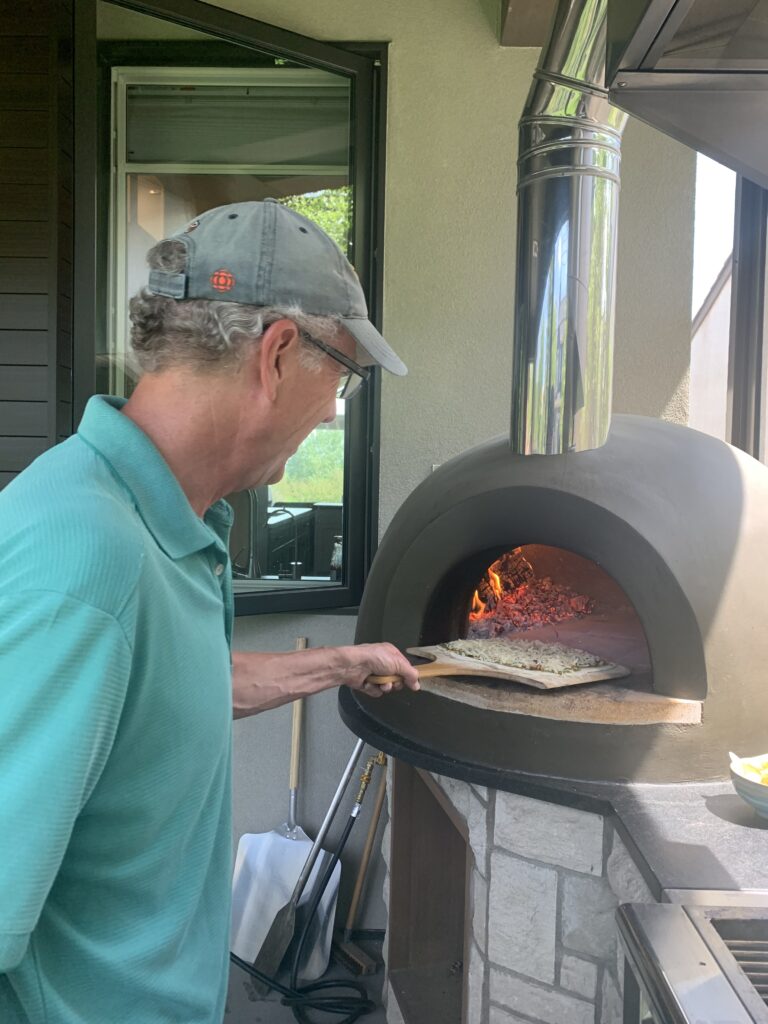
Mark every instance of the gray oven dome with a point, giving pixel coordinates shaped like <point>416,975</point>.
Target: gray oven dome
<point>677,518</point>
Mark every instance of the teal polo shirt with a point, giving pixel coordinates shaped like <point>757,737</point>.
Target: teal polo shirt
<point>115,737</point>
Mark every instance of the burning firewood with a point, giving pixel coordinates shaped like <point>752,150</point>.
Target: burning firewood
<point>511,597</point>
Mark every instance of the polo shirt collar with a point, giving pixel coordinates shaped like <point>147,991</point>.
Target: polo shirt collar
<point>160,500</point>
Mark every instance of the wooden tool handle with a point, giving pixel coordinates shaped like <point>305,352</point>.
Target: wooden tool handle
<point>426,671</point>
<point>384,680</point>
<point>298,716</point>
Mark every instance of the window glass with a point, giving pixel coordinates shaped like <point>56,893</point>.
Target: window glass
<point>190,139</point>
<point>711,296</point>
<point>762,452</point>
<point>646,1017</point>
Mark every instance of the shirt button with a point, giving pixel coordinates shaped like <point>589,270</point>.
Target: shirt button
<point>218,569</point>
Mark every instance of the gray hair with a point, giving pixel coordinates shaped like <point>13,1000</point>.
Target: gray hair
<point>208,333</point>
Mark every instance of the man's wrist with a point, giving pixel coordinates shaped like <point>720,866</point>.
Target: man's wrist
<point>343,665</point>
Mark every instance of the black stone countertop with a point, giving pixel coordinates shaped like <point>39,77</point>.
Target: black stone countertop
<point>693,835</point>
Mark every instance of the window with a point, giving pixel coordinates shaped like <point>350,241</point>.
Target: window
<point>193,123</point>
<point>711,296</point>
<point>748,363</point>
<point>189,139</point>
<point>728,331</point>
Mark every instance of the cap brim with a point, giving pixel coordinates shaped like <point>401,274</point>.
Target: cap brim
<point>368,337</point>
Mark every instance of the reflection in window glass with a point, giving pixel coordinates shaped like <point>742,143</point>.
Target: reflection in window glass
<point>646,1017</point>
<point>316,471</point>
<point>188,140</point>
<point>711,296</point>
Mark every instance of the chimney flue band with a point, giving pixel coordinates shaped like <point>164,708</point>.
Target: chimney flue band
<point>568,193</point>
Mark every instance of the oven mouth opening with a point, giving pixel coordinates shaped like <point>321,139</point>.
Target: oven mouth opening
<point>551,595</point>
<point>540,592</point>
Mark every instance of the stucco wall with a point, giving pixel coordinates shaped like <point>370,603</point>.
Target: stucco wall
<point>454,100</point>
<point>655,272</point>
<point>453,104</point>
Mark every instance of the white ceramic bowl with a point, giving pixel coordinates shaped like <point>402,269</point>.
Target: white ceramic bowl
<point>753,792</point>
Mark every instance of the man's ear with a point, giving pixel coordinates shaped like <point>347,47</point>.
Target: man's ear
<point>278,342</point>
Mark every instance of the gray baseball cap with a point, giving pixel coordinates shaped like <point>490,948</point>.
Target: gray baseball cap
<point>264,254</point>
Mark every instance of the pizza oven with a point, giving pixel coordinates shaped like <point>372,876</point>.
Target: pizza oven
<point>650,551</point>
<point>642,542</point>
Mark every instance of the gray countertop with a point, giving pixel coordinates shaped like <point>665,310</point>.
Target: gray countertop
<point>695,835</point>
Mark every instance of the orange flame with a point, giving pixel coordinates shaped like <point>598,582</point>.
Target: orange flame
<point>514,597</point>
<point>478,607</point>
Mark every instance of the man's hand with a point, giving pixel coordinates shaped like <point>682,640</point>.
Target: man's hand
<point>261,681</point>
<point>379,660</point>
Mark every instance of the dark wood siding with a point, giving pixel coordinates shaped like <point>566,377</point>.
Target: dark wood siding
<point>36,216</point>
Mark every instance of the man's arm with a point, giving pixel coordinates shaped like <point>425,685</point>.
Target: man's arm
<point>263,681</point>
<point>64,670</point>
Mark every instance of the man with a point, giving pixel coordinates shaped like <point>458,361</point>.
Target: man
<point>116,680</point>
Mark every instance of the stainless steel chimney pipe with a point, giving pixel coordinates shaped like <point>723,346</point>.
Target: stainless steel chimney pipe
<point>568,194</point>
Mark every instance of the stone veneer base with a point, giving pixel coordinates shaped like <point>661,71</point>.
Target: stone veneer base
<point>545,884</point>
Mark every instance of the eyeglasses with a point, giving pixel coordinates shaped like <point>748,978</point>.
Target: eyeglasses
<point>356,375</point>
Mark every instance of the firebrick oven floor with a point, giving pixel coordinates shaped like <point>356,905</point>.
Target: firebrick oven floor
<point>241,1010</point>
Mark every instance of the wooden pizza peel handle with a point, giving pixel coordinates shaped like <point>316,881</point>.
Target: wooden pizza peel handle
<point>426,671</point>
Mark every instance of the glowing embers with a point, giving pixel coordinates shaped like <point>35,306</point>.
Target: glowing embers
<point>513,596</point>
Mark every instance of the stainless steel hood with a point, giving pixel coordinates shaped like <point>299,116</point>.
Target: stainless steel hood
<point>698,71</point>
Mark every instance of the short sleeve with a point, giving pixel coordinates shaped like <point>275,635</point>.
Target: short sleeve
<point>64,671</point>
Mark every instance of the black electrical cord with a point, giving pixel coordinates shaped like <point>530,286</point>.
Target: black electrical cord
<point>299,999</point>
<point>302,998</point>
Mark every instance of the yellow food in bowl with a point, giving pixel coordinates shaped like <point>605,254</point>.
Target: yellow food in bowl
<point>753,768</point>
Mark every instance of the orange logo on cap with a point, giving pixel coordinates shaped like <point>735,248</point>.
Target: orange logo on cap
<point>223,280</point>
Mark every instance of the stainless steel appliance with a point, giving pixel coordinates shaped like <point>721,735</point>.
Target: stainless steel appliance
<point>695,69</point>
<point>694,963</point>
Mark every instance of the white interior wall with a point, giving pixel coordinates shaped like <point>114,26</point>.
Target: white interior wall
<point>454,99</point>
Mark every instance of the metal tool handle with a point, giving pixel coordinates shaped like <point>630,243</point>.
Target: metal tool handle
<point>298,716</point>
<point>327,821</point>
